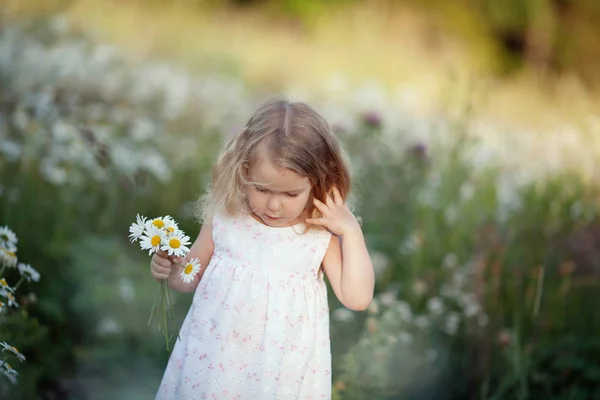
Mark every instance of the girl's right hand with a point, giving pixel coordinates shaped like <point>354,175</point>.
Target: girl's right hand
<point>160,265</point>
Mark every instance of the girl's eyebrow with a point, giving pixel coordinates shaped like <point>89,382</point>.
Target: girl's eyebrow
<point>265,187</point>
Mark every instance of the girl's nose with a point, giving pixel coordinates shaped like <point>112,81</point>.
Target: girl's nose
<point>273,204</point>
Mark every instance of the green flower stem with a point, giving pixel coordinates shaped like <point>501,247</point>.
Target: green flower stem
<point>19,283</point>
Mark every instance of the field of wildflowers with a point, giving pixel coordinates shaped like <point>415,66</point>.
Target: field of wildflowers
<point>485,244</point>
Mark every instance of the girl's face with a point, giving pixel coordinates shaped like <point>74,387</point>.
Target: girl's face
<point>277,196</point>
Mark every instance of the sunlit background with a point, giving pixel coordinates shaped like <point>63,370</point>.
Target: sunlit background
<point>474,130</point>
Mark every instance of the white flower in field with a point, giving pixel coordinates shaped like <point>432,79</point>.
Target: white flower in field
<point>152,239</point>
<point>9,373</point>
<point>12,302</point>
<point>380,263</point>
<point>13,350</point>
<point>435,306</point>
<point>387,299</point>
<point>28,272</point>
<point>4,287</point>
<point>343,314</point>
<point>450,261</point>
<point>136,229</point>
<point>471,308</point>
<point>452,323</point>
<point>176,244</point>
<point>404,310</point>
<point>419,287</point>
<point>190,270</point>
<point>8,239</point>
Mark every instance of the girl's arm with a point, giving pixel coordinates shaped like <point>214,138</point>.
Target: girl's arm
<point>347,262</point>
<point>202,249</point>
<point>349,269</point>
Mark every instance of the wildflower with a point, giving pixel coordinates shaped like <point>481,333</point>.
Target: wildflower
<point>170,225</point>
<point>12,302</point>
<point>8,257</point>
<point>136,229</point>
<point>343,314</point>
<point>4,286</point>
<point>8,372</point>
<point>452,323</point>
<point>176,244</point>
<point>13,350</point>
<point>28,272</point>
<point>152,239</point>
<point>8,239</point>
<point>404,310</point>
<point>190,270</point>
<point>161,222</point>
<point>435,306</point>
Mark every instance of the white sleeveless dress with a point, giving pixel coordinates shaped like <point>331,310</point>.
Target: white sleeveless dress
<point>258,326</point>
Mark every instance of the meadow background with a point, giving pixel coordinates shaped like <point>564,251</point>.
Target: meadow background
<point>473,127</point>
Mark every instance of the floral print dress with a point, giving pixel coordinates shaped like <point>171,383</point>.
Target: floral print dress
<point>258,326</point>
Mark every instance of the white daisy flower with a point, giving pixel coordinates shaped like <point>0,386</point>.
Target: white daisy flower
<point>10,299</point>
<point>170,225</point>
<point>158,222</point>
<point>153,239</point>
<point>13,350</point>
<point>137,228</point>
<point>190,270</point>
<point>9,373</point>
<point>8,239</point>
<point>28,272</point>
<point>2,307</point>
<point>8,258</point>
<point>176,244</point>
<point>4,286</point>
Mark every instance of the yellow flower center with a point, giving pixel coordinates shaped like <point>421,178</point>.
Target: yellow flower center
<point>155,240</point>
<point>171,229</point>
<point>188,269</point>
<point>10,296</point>
<point>8,367</point>
<point>174,243</point>
<point>14,349</point>
<point>159,223</point>
<point>3,282</point>
<point>11,253</point>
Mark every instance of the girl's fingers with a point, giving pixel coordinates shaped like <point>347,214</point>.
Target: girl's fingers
<point>162,253</point>
<point>337,196</point>
<point>321,206</point>
<point>329,200</point>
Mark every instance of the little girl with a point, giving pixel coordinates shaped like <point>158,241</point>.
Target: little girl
<point>275,218</point>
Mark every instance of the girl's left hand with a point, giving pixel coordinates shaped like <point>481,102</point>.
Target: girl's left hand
<point>336,216</point>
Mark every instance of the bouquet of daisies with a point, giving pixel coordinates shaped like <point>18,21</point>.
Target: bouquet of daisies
<point>163,234</point>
